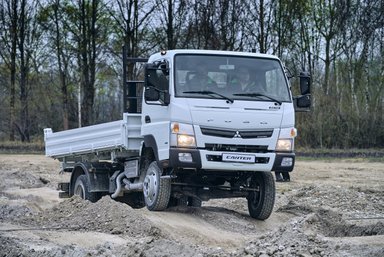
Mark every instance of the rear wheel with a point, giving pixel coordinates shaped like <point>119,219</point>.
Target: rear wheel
<point>157,190</point>
<point>261,202</point>
<point>177,201</point>
<point>82,189</point>
<point>195,202</point>
<point>184,201</point>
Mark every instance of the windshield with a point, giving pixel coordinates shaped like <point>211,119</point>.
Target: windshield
<point>231,77</point>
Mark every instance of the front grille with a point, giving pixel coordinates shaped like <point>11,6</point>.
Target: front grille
<point>256,134</point>
<point>218,133</point>
<point>246,134</point>
<point>237,148</point>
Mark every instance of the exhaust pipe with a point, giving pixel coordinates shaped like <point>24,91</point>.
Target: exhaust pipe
<point>133,186</point>
<point>118,186</point>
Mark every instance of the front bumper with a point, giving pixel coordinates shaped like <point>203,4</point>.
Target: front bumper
<point>212,160</point>
<point>175,162</point>
<point>282,162</point>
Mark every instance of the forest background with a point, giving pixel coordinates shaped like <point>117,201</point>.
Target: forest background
<point>61,60</point>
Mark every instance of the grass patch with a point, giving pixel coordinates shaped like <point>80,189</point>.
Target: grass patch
<point>18,147</point>
<point>355,155</point>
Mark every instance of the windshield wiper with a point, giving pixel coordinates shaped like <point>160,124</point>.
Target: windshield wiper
<point>258,95</point>
<point>207,92</point>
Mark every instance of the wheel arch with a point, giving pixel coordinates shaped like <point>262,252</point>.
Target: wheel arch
<point>79,169</point>
<point>150,143</point>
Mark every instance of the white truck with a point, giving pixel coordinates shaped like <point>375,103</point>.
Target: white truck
<point>183,142</point>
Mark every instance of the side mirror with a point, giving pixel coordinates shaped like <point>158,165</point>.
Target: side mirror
<point>150,66</point>
<point>151,94</point>
<point>157,75</point>
<point>302,103</point>
<point>157,84</point>
<point>164,68</point>
<point>305,83</point>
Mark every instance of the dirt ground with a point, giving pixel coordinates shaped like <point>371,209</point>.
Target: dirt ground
<point>330,208</point>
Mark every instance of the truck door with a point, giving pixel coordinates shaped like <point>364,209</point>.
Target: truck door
<point>155,109</point>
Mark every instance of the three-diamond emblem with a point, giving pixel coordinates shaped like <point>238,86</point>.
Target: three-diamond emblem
<point>237,135</point>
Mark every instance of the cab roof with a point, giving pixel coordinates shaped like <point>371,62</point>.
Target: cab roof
<point>171,53</point>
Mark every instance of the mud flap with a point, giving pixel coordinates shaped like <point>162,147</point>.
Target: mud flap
<point>64,188</point>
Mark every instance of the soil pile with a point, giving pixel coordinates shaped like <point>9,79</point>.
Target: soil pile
<point>328,209</point>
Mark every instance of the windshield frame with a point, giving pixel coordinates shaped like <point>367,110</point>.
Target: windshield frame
<point>237,61</point>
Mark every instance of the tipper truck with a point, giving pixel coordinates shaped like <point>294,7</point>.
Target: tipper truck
<point>202,125</point>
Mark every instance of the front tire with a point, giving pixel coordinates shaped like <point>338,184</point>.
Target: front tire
<point>157,190</point>
<point>82,189</point>
<point>261,202</point>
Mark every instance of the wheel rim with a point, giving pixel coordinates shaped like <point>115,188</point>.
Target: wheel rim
<point>151,187</point>
<point>256,196</point>
<point>79,190</point>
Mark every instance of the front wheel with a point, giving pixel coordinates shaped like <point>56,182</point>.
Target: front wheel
<point>261,202</point>
<point>157,190</point>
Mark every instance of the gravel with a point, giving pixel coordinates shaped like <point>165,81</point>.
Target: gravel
<point>322,212</point>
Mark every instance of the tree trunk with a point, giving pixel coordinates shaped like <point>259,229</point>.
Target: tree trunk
<point>262,25</point>
<point>24,63</point>
<point>170,31</point>
<point>87,46</point>
<point>13,32</point>
<point>61,65</point>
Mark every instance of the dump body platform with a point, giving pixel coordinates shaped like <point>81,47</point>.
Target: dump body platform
<point>124,134</point>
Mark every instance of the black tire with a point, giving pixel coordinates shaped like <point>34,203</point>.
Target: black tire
<point>181,201</point>
<point>156,190</point>
<point>184,201</point>
<point>194,202</point>
<point>172,202</point>
<point>82,189</point>
<point>260,203</point>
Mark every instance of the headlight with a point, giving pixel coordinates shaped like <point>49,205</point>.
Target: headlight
<point>186,141</point>
<point>182,135</point>
<point>285,145</point>
<point>285,141</point>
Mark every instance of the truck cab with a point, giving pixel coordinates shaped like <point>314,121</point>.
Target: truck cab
<point>213,137</point>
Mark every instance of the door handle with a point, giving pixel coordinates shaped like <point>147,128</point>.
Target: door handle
<point>147,119</point>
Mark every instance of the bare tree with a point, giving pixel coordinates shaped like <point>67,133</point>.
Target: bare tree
<point>259,24</point>
<point>53,20</point>
<point>131,18</point>
<point>172,15</point>
<point>88,34</point>
<point>330,17</point>
<point>19,36</point>
<point>214,24</point>
<point>9,27</point>
<point>27,34</point>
